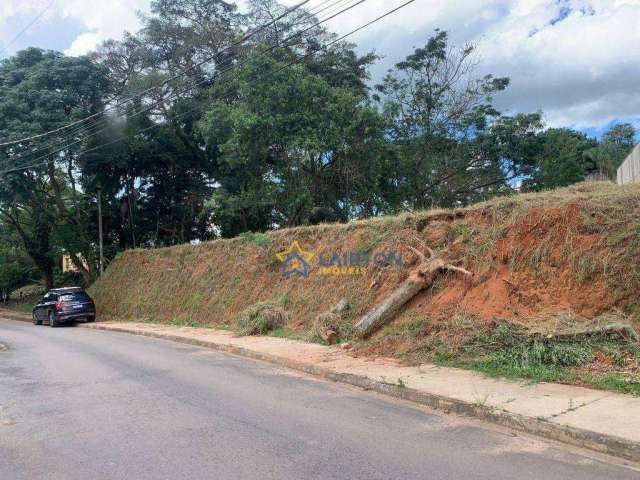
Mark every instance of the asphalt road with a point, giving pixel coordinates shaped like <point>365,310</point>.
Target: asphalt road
<point>86,404</point>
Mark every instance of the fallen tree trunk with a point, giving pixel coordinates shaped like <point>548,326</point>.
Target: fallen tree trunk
<point>619,330</point>
<point>419,279</point>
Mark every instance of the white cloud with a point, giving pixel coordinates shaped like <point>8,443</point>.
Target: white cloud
<point>577,60</point>
<point>101,20</point>
<point>11,8</point>
<point>85,42</point>
<point>582,70</point>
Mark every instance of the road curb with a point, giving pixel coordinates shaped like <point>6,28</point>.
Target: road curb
<point>598,442</point>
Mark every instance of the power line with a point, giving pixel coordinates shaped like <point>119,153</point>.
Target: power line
<point>337,40</point>
<point>84,130</point>
<point>29,25</point>
<point>164,82</point>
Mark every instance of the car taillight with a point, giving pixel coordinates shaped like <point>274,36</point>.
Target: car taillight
<point>60,305</point>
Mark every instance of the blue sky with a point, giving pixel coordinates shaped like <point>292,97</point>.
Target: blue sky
<point>577,61</point>
<point>54,32</point>
<point>600,130</point>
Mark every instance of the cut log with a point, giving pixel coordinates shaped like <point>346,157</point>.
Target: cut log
<point>328,325</point>
<point>618,330</point>
<point>420,278</point>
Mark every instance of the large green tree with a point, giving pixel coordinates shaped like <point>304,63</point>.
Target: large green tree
<point>159,176</point>
<point>209,133</point>
<point>453,146</point>
<point>605,158</point>
<point>291,149</point>
<point>560,159</point>
<point>41,91</point>
<point>16,268</point>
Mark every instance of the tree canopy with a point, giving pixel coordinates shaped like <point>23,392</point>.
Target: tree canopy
<point>199,130</point>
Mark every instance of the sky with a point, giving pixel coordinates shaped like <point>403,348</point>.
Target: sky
<point>577,61</point>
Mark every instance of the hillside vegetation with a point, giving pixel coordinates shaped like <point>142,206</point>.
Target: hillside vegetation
<point>543,263</point>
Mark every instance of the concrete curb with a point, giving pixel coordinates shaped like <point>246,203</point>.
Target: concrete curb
<point>607,444</point>
<point>601,443</point>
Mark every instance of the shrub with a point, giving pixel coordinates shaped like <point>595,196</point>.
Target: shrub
<point>260,319</point>
<point>336,321</point>
<point>262,240</point>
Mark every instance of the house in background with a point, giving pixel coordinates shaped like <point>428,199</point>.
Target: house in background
<point>68,265</point>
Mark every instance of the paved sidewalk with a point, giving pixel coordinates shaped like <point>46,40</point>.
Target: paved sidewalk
<point>603,421</point>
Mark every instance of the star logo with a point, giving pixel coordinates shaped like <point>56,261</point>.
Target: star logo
<point>295,261</point>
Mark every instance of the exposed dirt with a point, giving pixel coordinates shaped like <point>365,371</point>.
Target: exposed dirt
<point>574,250</point>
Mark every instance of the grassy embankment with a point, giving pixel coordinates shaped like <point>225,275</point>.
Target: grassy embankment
<point>543,263</point>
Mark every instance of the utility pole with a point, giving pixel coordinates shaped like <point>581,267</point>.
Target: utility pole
<point>100,230</point>
<point>131,189</point>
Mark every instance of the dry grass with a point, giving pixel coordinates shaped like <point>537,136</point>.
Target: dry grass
<point>604,354</point>
<point>260,319</point>
<point>570,250</point>
<point>343,327</point>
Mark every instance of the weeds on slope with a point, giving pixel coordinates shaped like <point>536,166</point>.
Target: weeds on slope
<point>508,350</point>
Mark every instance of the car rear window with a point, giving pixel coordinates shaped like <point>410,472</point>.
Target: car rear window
<point>75,297</point>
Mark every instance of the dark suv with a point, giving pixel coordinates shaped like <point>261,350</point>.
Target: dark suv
<point>62,305</point>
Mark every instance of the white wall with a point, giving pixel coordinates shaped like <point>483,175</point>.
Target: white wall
<point>629,171</point>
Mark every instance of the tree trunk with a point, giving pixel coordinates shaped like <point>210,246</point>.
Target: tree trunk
<point>620,330</point>
<point>48,276</point>
<point>85,272</point>
<point>74,220</point>
<point>37,245</point>
<point>419,279</point>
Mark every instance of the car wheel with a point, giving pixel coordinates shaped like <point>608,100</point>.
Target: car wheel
<point>35,319</point>
<point>53,322</point>
<point>91,319</point>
